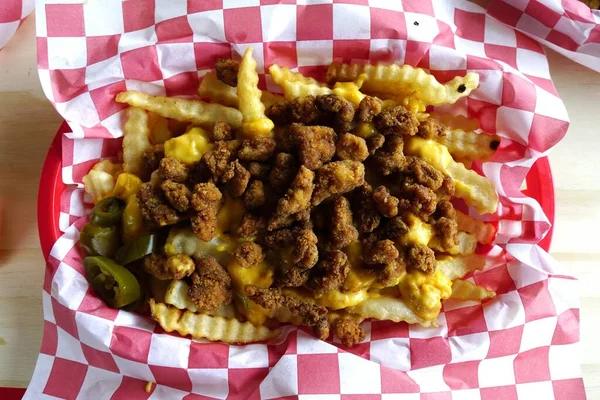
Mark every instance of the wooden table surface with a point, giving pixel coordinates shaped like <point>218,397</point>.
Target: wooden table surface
<point>28,123</point>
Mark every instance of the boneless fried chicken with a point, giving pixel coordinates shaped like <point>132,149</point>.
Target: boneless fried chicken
<point>316,144</point>
<point>177,194</point>
<point>343,231</point>
<point>206,201</point>
<point>337,177</point>
<point>296,199</point>
<point>154,206</point>
<point>329,273</point>
<point>351,147</point>
<point>211,285</point>
<point>227,71</point>
<point>173,170</point>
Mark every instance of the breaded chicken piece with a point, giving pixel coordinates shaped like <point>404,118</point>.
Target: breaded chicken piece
<point>311,314</point>
<point>382,252</point>
<point>257,149</point>
<point>349,331</point>
<point>423,173</point>
<point>337,177</point>
<point>279,113</point>
<point>178,195</point>
<point>329,273</point>
<point>367,216</point>
<point>254,197</point>
<point>304,110</point>
<point>316,144</point>
<point>394,229</point>
<point>341,111</point>
<point>446,227</point>
<point>154,207</point>
<point>305,253</point>
<point>421,257</point>
<point>390,273</point>
<point>248,254</point>
<point>227,71</point>
<point>296,199</point>
<point>239,179</point>
<point>396,121</point>
<point>211,285</point>
<point>417,198</point>
<point>152,156</point>
<point>375,142</point>
<point>215,164</point>
<point>222,131</point>
<point>283,172</point>
<point>430,129</point>
<point>252,226</point>
<point>351,147</point>
<point>175,267</point>
<point>206,201</point>
<point>343,231</point>
<point>386,204</point>
<point>390,157</point>
<point>259,170</point>
<point>368,108</point>
<point>173,170</point>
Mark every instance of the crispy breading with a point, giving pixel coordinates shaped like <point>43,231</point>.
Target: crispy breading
<point>154,206</point>
<point>304,110</point>
<point>227,71</point>
<point>239,179</point>
<point>252,226</point>
<point>388,274</point>
<point>215,164</point>
<point>222,131</point>
<point>417,198</point>
<point>316,144</point>
<point>385,203</point>
<point>368,108</point>
<point>390,157</point>
<point>329,273</point>
<point>367,216</point>
<point>396,121</point>
<point>394,229</point>
<point>254,197</point>
<point>279,113</point>
<point>280,238</point>
<point>153,155</point>
<point>381,252</point>
<point>341,111</point>
<point>291,277</point>
<point>259,170</point>
<point>311,314</point>
<point>173,170</point>
<point>446,227</point>
<point>283,172</point>
<point>211,285</point>
<point>248,254</point>
<point>421,257</point>
<point>296,199</point>
<point>375,142</point>
<point>305,253</point>
<point>349,332</point>
<point>343,231</point>
<point>351,147</point>
<point>175,267</point>
<point>423,173</point>
<point>431,128</point>
<point>178,195</point>
<point>206,201</point>
<point>337,177</point>
<point>257,149</point>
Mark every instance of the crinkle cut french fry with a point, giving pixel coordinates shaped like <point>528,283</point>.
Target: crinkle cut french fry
<point>463,290</point>
<point>255,123</point>
<point>184,110</point>
<point>214,328</point>
<point>159,128</point>
<point>215,90</point>
<point>268,98</point>
<point>456,121</point>
<point>348,90</point>
<point>466,244</point>
<point>484,232</point>
<point>389,309</point>
<point>476,190</point>
<point>455,267</point>
<point>466,146</point>
<point>405,79</point>
<point>100,181</point>
<point>177,295</point>
<point>136,140</point>
<point>280,74</point>
<point>411,103</point>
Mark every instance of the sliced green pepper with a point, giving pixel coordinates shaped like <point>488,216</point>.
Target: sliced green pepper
<point>111,281</point>
<point>108,212</point>
<point>100,241</point>
<point>137,249</point>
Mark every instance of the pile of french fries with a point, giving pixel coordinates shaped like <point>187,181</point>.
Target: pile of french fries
<point>155,119</point>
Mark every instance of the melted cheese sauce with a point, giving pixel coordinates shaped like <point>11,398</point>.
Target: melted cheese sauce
<point>423,293</point>
<point>189,147</point>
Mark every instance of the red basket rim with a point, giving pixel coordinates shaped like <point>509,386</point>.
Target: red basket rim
<point>539,182</point>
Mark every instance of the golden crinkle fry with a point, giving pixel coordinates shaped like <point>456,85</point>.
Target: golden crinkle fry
<point>283,74</point>
<point>405,80</point>
<point>100,181</point>
<point>463,290</point>
<point>160,131</point>
<point>203,326</point>
<point>456,121</point>
<point>185,110</point>
<point>466,244</point>
<point>255,123</point>
<point>476,190</point>
<point>389,309</point>
<point>177,295</point>
<point>483,231</point>
<point>467,146</point>
<point>459,266</point>
<point>136,140</point>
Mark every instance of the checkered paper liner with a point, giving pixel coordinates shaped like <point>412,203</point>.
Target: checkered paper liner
<point>12,15</point>
<point>522,344</point>
<point>567,26</point>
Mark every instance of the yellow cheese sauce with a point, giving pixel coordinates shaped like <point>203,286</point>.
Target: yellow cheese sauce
<point>423,293</point>
<point>189,147</point>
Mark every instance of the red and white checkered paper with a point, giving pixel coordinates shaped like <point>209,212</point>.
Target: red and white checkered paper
<point>567,26</point>
<point>522,344</point>
<point>12,15</point>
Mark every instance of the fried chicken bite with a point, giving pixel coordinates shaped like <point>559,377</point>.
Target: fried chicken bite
<point>296,199</point>
<point>206,201</point>
<point>175,267</point>
<point>316,144</point>
<point>351,147</point>
<point>303,110</point>
<point>349,331</point>
<point>423,173</point>
<point>254,196</point>
<point>374,143</point>
<point>177,194</point>
<point>390,273</point>
<point>396,121</point>
<point>152,156</point>
<point>390,157</point>
<point>343,231</point>
<point>154,207</point>
<point>367,216</point>
<point>305,253</point>
<point>417,198</point>
<point>222,131</point>
<point>257,149</point>
<point>421,257</point>
<point>211,285</point>
<point>446,227</point>
<point>329,273</point>
<point>283,172</point>
<point>279,113</point>
<point>227,71</point>
<point>215,164</point>
<point>385,203</point>
<point>240,177</point>
<point>248,254</point>
<point>173,170</point>
<point>341,111</point>
<point>311,314</point>
<point>430,129</point>
<point>259,171</point>
<point>337,177</point>
<point>368,108</point>
<point>381,252</point>
<point>252,226</point>
<point>394,229</point>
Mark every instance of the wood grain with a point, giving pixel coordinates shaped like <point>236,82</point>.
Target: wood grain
<point>28,123</point>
